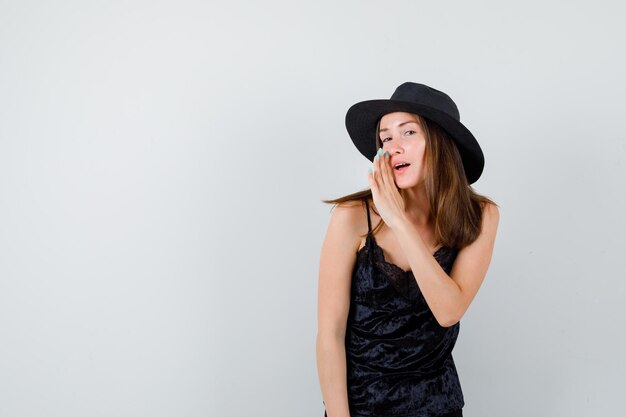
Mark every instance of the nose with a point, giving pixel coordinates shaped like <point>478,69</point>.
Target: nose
<point>394,147</point>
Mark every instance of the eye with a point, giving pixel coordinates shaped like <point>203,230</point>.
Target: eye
<point>383,140</point>
<point>413,131</point>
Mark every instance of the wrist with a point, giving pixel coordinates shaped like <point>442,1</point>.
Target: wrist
<point>401,224</point>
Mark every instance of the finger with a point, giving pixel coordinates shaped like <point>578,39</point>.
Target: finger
<point>377,166</point>
<point>376,170</point>
<point>373,167</point>
<point>384,170</point>
<point>372,180</point>
<point>391,176</point>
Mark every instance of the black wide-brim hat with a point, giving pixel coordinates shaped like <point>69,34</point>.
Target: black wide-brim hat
<point>435,105</point>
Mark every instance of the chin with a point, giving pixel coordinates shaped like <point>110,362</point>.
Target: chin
<point>406,183</point>
<point>405,186</point>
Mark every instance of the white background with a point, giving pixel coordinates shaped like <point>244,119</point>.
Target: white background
<point>161,170</point>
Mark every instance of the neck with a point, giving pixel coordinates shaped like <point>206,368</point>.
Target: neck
<point>416,205</point>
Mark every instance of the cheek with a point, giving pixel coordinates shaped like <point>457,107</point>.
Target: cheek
<point>420,155</point>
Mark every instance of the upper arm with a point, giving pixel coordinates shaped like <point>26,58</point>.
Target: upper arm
<point>337,259</point>
<point>471,264</point>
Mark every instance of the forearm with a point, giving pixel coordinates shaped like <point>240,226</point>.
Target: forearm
<point>441,293</point>
<point>331,369</point>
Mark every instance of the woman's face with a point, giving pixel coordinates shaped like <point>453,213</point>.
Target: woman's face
<point>402,135</point>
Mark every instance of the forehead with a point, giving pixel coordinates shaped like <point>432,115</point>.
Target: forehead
<point>397,117</point>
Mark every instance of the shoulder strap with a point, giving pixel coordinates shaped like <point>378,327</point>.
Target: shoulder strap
<point>369,224</point>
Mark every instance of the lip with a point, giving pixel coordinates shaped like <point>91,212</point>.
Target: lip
<point>401,170</point>
<point>398,161</point>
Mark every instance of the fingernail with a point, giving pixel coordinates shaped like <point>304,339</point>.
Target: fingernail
<point>377,157</point>
<point>380,151</point>
<point>387,154</point>
<point>370,169</point>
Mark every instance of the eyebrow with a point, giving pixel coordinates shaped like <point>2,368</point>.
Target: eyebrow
<point>410,121</point>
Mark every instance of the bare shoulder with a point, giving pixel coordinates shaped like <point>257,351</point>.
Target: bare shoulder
<point>349,220</point>
<point>491,215</point>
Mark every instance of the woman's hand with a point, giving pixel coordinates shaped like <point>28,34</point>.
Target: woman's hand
<point>387,198</point>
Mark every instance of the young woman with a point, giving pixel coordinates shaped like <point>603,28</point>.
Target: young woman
<point>391,297</point>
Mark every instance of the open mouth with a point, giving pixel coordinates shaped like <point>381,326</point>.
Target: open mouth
<point>400,168</point>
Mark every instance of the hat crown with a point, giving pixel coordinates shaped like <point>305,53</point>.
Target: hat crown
<point>427,96</point>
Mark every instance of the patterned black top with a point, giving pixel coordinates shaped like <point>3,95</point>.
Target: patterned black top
<point>398,358</point>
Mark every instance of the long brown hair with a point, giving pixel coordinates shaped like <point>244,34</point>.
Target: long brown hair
<point>455,206</point>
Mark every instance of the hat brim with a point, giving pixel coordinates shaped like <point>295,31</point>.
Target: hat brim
<point>362,117</point>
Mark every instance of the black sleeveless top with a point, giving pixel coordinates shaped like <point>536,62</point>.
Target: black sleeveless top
<point>398,358</point>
